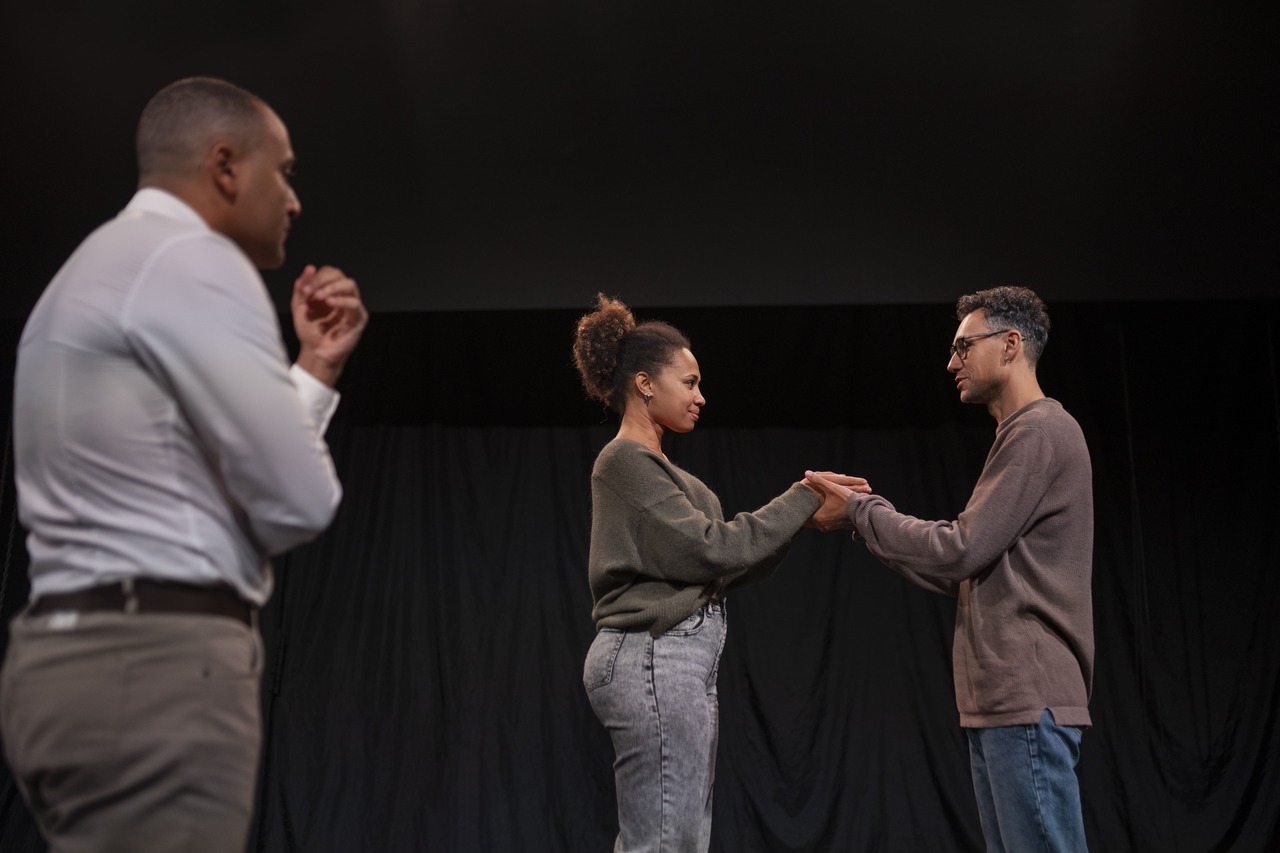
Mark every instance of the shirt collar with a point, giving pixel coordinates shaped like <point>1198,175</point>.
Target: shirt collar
<point>150,201</point>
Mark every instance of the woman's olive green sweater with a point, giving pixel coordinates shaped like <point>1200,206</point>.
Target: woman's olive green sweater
<point>660,546</point>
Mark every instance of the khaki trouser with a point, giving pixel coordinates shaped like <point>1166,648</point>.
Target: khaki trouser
<point>134,732</point>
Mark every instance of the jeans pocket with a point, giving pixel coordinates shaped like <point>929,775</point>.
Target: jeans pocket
<point>597,671</point>
<point>690,625</point>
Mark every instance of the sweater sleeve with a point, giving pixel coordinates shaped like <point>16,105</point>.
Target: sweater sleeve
<point>939,555</point>
<point>684,544</point>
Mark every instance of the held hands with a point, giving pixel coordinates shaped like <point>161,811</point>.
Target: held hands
<point>834,489</point>
<point>329,318</point>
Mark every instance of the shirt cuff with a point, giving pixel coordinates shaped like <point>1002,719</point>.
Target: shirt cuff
<point>320,400</point>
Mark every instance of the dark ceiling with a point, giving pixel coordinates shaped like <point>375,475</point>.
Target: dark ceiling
<point>494,154</point>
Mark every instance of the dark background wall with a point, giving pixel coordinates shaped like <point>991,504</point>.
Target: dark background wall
<point>496,154</point>
<point>805,189</point>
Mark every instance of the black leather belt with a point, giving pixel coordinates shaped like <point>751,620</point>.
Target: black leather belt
<point>152,596</point>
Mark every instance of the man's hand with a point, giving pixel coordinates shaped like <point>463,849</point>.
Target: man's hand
<point>857,484</point>
<point>329,318</point>
<point>834,489</point>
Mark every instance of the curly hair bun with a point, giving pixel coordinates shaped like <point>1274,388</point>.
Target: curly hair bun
<point>597,343</point>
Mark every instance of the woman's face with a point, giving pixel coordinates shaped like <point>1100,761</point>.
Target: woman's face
<point>676,399</point>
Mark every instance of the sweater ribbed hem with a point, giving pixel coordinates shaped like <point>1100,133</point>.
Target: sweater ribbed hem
<point>1063,715</point>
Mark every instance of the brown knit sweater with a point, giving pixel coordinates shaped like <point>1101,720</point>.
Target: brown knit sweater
<point>660,546</point>
<point>1020,560</point>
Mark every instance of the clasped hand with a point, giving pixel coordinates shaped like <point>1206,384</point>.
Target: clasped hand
<point>834,489</point>
<point>329,318</point>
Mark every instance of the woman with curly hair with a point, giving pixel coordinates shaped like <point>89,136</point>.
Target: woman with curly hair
<point>662,558</point>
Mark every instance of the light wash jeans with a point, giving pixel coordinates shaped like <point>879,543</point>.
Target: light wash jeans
<point>1025,781</point>
<point>657,698</point>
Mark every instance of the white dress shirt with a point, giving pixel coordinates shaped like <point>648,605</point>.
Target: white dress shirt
<point>158,430</point>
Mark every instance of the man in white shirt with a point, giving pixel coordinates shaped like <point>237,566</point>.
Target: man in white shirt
<point>164,451</point>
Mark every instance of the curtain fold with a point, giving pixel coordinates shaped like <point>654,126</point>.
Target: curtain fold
<point>423,689</point>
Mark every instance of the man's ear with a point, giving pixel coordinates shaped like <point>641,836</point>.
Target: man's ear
<point>1012,343</point>
<point>225,170</point>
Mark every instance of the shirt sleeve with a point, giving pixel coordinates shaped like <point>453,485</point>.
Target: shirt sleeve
<point>319,400</point>
<point>201,321</point>
<point>939,555</point>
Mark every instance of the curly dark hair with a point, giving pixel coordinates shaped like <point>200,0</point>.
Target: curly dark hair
<point>1015,308</point>
<point>610,348</point>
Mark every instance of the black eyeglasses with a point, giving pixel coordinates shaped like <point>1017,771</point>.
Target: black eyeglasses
<point>961,346</point>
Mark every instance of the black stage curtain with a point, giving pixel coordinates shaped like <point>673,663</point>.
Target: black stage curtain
<point>423,690</point>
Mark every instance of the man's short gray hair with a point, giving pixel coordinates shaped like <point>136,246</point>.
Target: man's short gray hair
<point>184,118</point>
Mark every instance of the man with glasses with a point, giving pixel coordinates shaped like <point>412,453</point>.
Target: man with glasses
<point>1019,559</point>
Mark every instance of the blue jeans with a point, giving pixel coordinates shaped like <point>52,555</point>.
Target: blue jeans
<point>657,698</point>
<point>1025,781</point>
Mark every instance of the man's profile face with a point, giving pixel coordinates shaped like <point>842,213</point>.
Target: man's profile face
<point>978,376</point>
<point>265,204</point>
